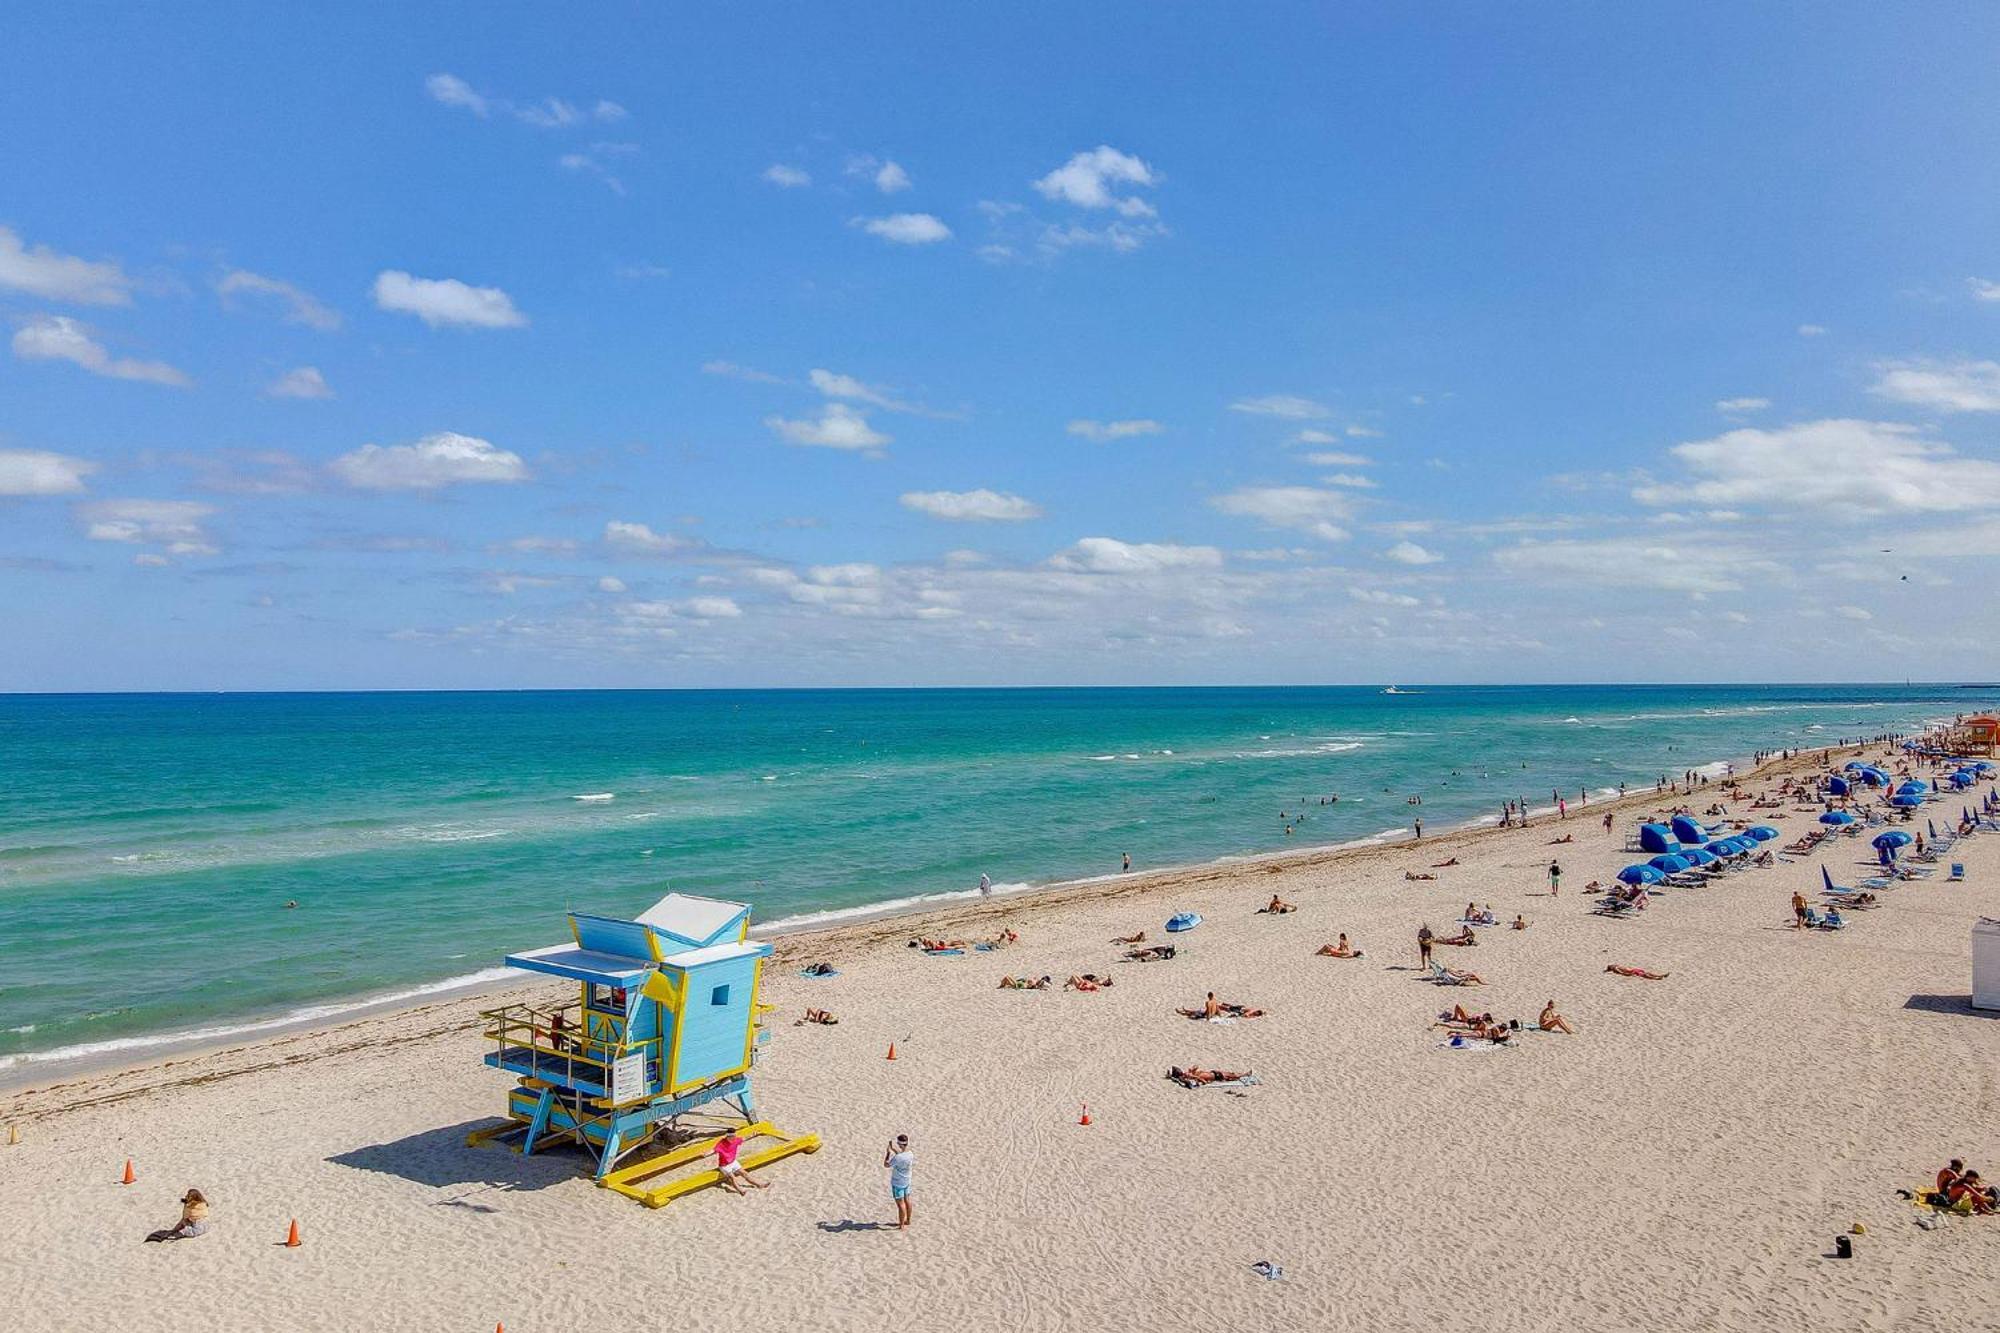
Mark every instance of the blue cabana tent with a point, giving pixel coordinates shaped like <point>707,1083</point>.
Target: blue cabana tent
<point>1657,838</point>
<point>1687,830</point>
<point>1838,786</point>
<point>1640,875</point>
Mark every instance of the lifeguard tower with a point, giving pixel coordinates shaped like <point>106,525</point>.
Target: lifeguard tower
<point>665,1022</point>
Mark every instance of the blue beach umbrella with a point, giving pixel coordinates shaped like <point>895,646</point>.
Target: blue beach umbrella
<point>1701,856</point>
<point>1893,838</point>
<point>1762,832</point>
<point>1726,847</point>
<point>1640,875</point>
<point>1906,802</point>
<point>1838,786</point>
<point>1671,863</point>
<point>1836,817</point>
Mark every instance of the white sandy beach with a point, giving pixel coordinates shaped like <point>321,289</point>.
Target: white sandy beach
<point>1682,1162</point>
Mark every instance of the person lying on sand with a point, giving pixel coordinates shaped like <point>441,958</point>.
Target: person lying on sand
<point>1595,886</point>
<point>1638,972</point>
<point>932,946</point>
<point>817,970</point>
<point>1023,983</point>
<point>1342,949</point>
<point>1459,1017</point>
<point>1004,938</point>
<point>1277,907</point>
<point>1214,1008</point>
<point>820,1016</point>
<point>1088,981</point>
<point>1411,874</point>
<point>1440,865</point>
<point>1194,1076</point>
<point>1557,842</point>
<point>1465,936</point>
<point>1551,1021</point>
<point>1156,953</point>
<point>1140,938</point>
<point>1461,978</point>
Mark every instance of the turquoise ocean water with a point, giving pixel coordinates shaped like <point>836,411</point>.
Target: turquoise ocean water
<point>148,843</point>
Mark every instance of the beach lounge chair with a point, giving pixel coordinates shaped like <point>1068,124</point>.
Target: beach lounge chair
<point>1957,875</point>
<point>1443,977</point>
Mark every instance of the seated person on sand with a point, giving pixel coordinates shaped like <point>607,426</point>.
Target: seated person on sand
<point>194,1219</point>
<point>1340,950</point>
<point>1088,981</point>
<point>817,970</point>
<point>1214,1008</point>
<point>1277,907</point>
<point>820,1016</point>
<point>1465,936</point>
<point>1639,972</point>
<point>1411,874</point>
<point>1193,1076</point>
<point>1970,1192</point>
<point>1551,1021</point>
<point>1004,938</point>
<point>1155,953</point>
<point>1595,886</point>
<point>1520,922</point>
<point>1023,983</point>
<point>1140,938</point>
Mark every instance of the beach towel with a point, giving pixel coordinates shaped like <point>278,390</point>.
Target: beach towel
<point>1465,1041</point>
<point>944,953</point>
<point>985,948</point>
<point>808,972</point>
<point>1267,1270</point>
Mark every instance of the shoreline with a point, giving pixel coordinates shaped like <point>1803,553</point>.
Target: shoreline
<point>38,1074</point>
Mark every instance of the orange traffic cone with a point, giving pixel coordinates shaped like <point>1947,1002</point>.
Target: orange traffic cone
<point>892,1051</point>
<point>129,1177</point>
<point>1084,1119</point>
<point>292,1236</point>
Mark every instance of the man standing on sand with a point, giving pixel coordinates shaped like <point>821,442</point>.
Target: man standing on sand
<point>1424,944</point>
<point>899,1160</point>
<point>1555,880</point>
<point>1420,828</point>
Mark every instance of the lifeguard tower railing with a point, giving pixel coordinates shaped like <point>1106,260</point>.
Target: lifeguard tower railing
<point>553,1043</point>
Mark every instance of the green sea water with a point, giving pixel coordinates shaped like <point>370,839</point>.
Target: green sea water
<point>149,843</point>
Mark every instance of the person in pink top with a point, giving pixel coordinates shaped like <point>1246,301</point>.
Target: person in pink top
<point>733,1175</point>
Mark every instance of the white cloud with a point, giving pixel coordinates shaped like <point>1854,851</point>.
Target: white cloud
<point>450,90</point>
<point>300,306</point>
<point>730,370</point>
<point>1409,553</point>
<point>1114,430</point>
<point>1732,406</point>
<point>443,459</point>
<point>1362,433</point>
<point>1983,289</point>
<point>60,338</point>
<point>846,386</point>
<point>441,302</point>
<point>1812,330</point>
<point>1352,480</point>
<point>1947,386</point>
<point>1853,613</point>
<point>533,545</point>
<point>906,228</point>
<point>980,506</point>
<point>1302,508</point>
<point>608,111</point>
<point>551,113</point>
<point>1381,597</point>
<point>173,524</point>
<point>57,277</point>
<point>638,539</point>
<point>838,427</point>
<point>891,178</point>
<point>1108,555</point>
<point>37,472</point>
<point>1843,466</point>
<point>585,164</point>
<point>1338,459</point>
<point>1291,407</point>
<point>786,178</point>
<point>610,584</point>
<point>713,608</point>
<point>304,382</point>
<point>1088,178</point>
<point>1696,569</point>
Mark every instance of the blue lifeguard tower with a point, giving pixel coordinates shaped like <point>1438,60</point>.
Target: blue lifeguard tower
<point>665,1023</point>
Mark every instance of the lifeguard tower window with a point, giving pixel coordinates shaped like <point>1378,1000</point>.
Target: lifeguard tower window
<point>720,995</point>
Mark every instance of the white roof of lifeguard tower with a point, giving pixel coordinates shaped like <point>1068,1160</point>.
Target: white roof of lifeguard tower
<point>694,921</point>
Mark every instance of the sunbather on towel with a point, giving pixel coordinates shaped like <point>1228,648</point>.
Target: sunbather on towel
<point>819,1016</point>
<point>1458,978</point>
<point>1340,950</point>
<point>1140,938</point>
<point>1023,983</point>
<point>1457,1016</point>
<point>1214,1008</point>
<point>1194,1076</point>
<point>933,946</point>
<point>1088,981</point>
<point>1639,972</point>
<point>1464,936</point>
<point>1157,953</point>
<point>1440,865</point>
<point>1551,1021</point>
<point>1411,874</point>
<point>817,970</point>
<point>1276,907</point>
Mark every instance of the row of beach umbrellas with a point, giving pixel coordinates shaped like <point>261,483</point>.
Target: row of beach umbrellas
<point>1689,857</point>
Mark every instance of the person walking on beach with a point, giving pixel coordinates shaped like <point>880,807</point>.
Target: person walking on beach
<point>1555,880</point>
<point>1424,944</point>
<point>1128,861</point>
<point>985,886</point>
<point>1420,828</point>
<point>899,1160</point>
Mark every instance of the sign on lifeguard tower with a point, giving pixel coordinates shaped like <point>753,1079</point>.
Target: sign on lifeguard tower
<point>665,1023</point>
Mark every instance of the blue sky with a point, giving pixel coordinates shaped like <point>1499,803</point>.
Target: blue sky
<point>901,344</point>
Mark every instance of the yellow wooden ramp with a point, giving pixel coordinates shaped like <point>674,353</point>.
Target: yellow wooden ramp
<point>634,1181</point>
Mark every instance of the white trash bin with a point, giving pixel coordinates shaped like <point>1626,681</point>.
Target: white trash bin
<point>1986,963</point>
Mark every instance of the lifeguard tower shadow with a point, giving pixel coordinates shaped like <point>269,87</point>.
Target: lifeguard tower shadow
<point>441,1157</point>
<point>1960,1005</point>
